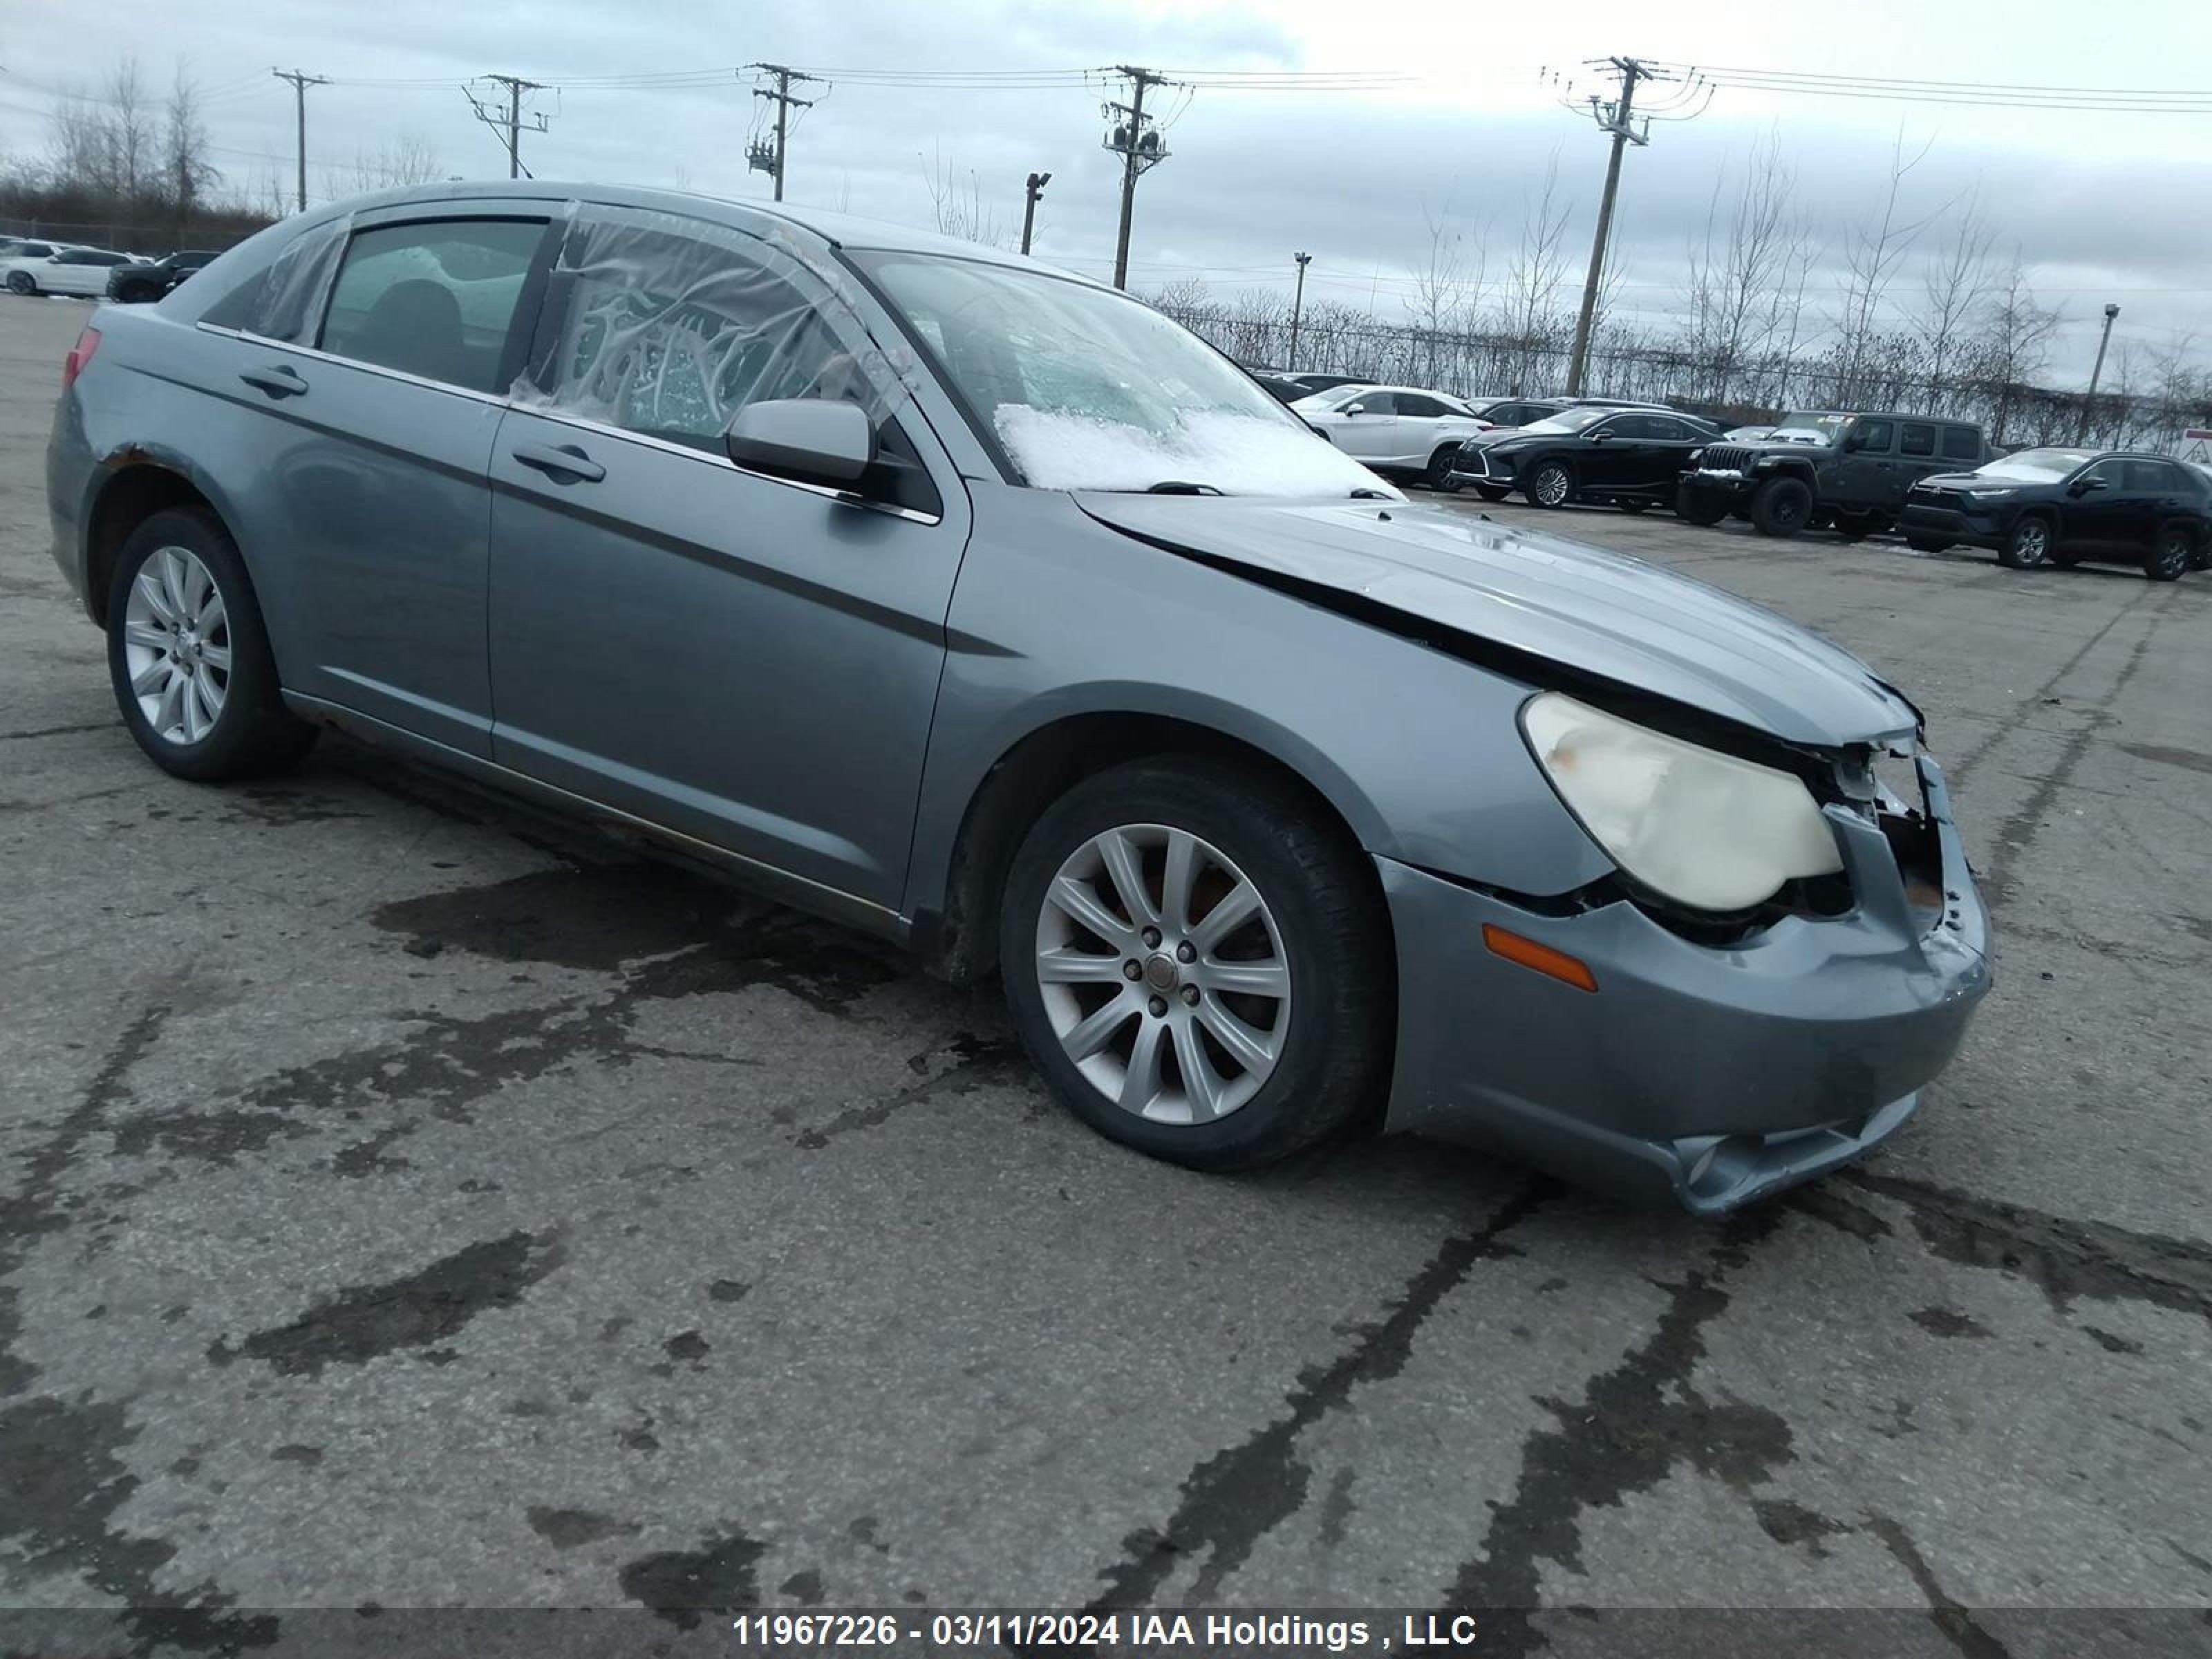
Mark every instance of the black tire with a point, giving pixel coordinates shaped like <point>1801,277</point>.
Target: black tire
<point>1854,527</point>
<point>1633,504</point>
<point>1493,492</point>
<point>1925,543</point>
<point>1696,506</point>
<point>22,282</point>
<point>253,735</point>
<point>2028,546</point>
<point>2173,552</point>
<point>1782,507</point>
<point>1439,476</point>
<point>1552,478</point>
<point>1335,1060</point>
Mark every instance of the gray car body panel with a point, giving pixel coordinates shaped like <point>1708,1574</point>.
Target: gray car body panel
<point>810,692</point>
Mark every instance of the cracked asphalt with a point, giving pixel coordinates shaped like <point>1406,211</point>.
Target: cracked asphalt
<point>407,1201</point>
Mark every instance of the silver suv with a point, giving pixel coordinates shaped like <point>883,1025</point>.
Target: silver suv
<point>981,607</point>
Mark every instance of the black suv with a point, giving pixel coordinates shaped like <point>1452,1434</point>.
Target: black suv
<point>2063,506</point>
<point>1827,466</point>
<point>1614,455</point>
<point>131,284</point>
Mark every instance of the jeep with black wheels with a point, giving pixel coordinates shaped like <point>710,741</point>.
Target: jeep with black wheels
<point>1843,470</point>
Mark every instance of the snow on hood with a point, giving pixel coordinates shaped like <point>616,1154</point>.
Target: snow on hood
<point>1604,613</point>
<point>1235,455</point>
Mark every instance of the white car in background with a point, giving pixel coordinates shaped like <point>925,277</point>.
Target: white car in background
<point>65,270</point>
<point>1394,428</point>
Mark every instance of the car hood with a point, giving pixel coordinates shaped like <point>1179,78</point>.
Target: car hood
<point>1601,613</point>
<point>1970,480</point>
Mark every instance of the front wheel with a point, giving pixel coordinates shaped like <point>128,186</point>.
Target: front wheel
<point>2028,547</point>
<point>1633,504</point>
<point>1551,485</point>
<point>2171,555</point>
<point>1198,964</point>
<point>1697,507</point>
<point>1493,492</point>
<point>1782,507</point>
<point>189,657</point>
<point>1439,476</point>
<point>1925,543</point>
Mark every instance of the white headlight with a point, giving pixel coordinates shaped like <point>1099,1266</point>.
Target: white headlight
<point>1699,827</point>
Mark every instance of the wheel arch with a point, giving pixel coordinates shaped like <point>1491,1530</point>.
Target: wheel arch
<point>127,491</point>
<point>956,928</point>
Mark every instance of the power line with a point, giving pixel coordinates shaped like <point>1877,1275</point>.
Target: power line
<point>1137,141</point>
<point>513,121</point>
<point>1616,118</point>
<point>1968,94</point>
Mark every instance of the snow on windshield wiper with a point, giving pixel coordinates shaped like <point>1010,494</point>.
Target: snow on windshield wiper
<point>1364,494</point>
<point>1180,487</point>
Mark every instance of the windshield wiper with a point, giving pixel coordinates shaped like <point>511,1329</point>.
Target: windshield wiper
<point>1181,487</point>
<point>1364,494</point>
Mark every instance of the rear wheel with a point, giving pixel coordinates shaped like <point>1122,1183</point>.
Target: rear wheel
<point>1925,543</point>
<point>1782,506</point>
<point>2028,547</point>
<point>2171,553</point>
<point>1493,492</point>
<point>1854,527</point>
<point>1551,485</point>
<point>1197,965</point>
<point>22,282</point>
<point>1439,476</point>
<point>189,657</point>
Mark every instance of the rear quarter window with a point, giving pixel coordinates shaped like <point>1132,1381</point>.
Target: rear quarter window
<point>1962,443</point>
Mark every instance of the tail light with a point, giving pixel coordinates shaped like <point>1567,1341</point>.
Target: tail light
<point>80,356</point>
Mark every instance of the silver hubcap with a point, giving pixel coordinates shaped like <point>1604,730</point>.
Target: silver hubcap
<point>2031,543</point>
<point>1163,973</point>
<point>1552,487</point>
<point>176,646</point>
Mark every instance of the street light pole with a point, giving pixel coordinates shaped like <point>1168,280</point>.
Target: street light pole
<point>2089,403</point>
<point>1297,310</point>
<point>1037,181</point>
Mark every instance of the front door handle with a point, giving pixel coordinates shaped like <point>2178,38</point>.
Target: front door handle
<point>562,463</point>
<point>281,381</point>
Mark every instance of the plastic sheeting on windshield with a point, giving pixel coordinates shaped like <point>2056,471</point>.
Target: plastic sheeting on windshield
<point>669,325</point>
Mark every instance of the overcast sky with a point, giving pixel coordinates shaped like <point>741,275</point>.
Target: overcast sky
<point>2104,206</point>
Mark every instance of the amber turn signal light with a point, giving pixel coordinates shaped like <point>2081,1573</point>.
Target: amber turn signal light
<point>1557,965</point>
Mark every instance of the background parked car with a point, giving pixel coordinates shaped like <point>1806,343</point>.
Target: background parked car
<point>1329,382</point>
<point>2064,506</point>
<point>1826,466</point>
<point>1395,429</point>
<point>1627,458</point>
<point>83,271</point>
<point>135,283</point>
<point>1507,413</point>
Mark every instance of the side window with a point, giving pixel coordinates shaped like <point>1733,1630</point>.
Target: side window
<point>435,298</point>
<point>1962,443</point>
<point>2152,477</point>
<point>1426,408</point>
<point>1917,439</point>
<point>2107,473</point>
<point>1376,403</point>
<point>282,298</point>
<point>1874,436</point>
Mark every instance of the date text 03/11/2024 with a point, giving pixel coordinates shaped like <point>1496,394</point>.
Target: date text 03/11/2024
<point>1022,1631</point>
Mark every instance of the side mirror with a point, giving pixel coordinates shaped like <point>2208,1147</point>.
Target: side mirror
<point>1598,436</point>
<point>2088,486</point>
<point>807,438</point>
<point>1355,409</point>
<point>1854,441</point>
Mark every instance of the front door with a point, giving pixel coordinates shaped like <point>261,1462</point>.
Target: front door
<point>1864,476</point>
<point>1372,434</point>
<point>746,659</point>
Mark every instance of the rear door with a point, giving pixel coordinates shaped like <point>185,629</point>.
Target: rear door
<point>371,507</point>
<point>81,271</point>
<point>1421,429</point>
<point>1917,457</point>
<point>746,659</point>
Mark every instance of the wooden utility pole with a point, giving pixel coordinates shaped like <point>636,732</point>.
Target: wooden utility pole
<point>1613,118</point>
<point>1297,310</point>
<point>510,123</point>
<point>301,81</point>
<point>758,158</point>
<point>1137,142</point>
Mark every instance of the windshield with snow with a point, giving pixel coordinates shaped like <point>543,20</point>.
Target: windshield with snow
<point>1087,389</point>
<point>1809,428</point>
<point>1571,419</point>
<point>2035,465</point>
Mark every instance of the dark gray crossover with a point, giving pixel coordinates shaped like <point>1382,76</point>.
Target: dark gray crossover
<point>981,606</point>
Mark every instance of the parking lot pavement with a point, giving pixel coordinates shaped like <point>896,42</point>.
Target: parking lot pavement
<point>406,1202</point>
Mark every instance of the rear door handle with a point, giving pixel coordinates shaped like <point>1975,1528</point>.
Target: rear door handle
<point>561,463</point>
<point>282,381</point>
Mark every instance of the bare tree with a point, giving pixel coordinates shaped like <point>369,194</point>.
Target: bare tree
<point>407,158</point>
<point>1872,257</point>
<point>1448,284</point>
<point>131,129</point>
<point>1953,285</point>
<point>1531,315</point>
<point>1738,291</point>
<point>958,207</point>
<point>2012,345</point>
<point>187,174</point>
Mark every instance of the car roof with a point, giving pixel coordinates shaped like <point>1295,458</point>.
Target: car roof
<point>834,230</point>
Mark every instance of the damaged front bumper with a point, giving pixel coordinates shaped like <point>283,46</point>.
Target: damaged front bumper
<point>1708,1075</point>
